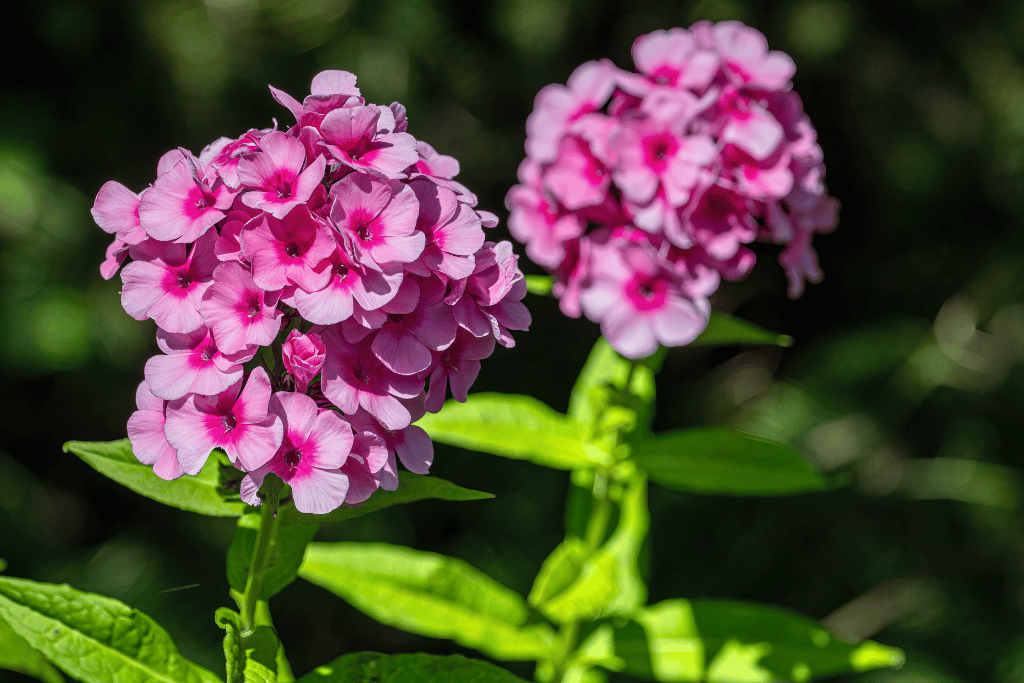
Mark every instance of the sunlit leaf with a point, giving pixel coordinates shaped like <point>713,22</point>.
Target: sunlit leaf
<point>725,330</point>
<point>588,594</point>
<point>731,642</point>
<point>559,570</point>
<point>92,638</point>
<point>513,426</point>
<point>724,461</point>
<point>625,545</point>
<point>373,667</point>
<point>201,493</point>
<point>17,655</point>
<point>285,555</point>
<point>429,594</point>
<point>411,488</point>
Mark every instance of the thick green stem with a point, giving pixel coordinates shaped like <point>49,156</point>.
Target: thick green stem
<point>265,538</point>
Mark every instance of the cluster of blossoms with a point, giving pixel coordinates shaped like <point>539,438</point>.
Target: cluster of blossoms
<point>344,248</point>
<point>640,190</point>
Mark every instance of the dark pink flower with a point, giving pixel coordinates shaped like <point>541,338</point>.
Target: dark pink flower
<point>303,356</point>
<point>673,58</point>
<point>458,365</point>
<point>166,282</point>
<point>315,446</point>
<point>275,175</point>
<point>349,283</point>
<point>453,230</point>
<point>557,106</point>
<point>411,444</point>
<point>377,217</point>
<point>193,364</point>
<point>284,252</point>
<point>236,420</point>
<point>354,377</point>
<point>360,137</point>
<point>146,432</point>
<point>238,311</point>
<point>182,205</point>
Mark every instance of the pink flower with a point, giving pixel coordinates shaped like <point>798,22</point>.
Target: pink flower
<point>238,311</point>
<point>360,137</point>
<point>379,218</point>
<point>303,356</point>
<point>411,444</point>
<point>314,448</point>
<point>408,335</point>
<point>166,282</point>
<point>116,211</point>
<point>557,106</point>
<point>435,164</point>
<point>223,155</point>
<point>275,175</point>
<point>116,253</point>
<point>641,303</point>
<point>181,205</point>
<point>146,431</point>
<point>193,365</point>
<point>458,365</point>
<point>354,377</point>
<point>490,301</point>
<point>745,58</point>
<point>288,251</point>
<point>349,282</point>
<point>453,231</point>
<point>236,420</point>
<point>672,58</point>
<point>369,455</point>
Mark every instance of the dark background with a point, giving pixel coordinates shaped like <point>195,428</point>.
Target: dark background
<point>906,370</point>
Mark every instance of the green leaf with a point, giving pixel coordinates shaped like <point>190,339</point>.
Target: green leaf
<point>373,667</point>
<point>250,657</point>
<point>731,642</point>
<point>285,555</point>
<point>588,594</point>
<point>604,374</point>
<point>558,570</point>
<point>725,330</point>
<point>721,460</point>
<point>93,638</point>
<point>17,655</point>
<point>201,493</point>
<point>513,426</point>
<point>411,488</point>
<point>626,544</point>
<point>429,594</point>
<point>539,284</point>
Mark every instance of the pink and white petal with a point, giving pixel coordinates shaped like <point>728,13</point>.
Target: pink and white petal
<point>306,182</point>
<point>176,313</point>
<point>116,208</point>
<point>146,432</point>
<point>362,484</point>
<point>679,322</point>
<point>629,333</point>
<point>254,400</point>
<point>320,492</point>
<point>298,412</point>
<point>333,439</point>
<point>371,449</point>
<point>253,445</point>
<point>193,434</point>
<point>167,466</point>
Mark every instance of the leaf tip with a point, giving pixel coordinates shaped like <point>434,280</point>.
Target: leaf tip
<point>785,341</point>
<point>68,446</point>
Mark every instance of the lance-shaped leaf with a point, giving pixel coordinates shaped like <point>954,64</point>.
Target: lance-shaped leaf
<point>604,374</point>
<point>722,460</point>
<point>731,642</point>
<point>514,426</point>
<point>17,655</point>
<point>411,488</point>
<point>373,667</point>
<point>285,554</point>
<point>429,594</point>
<point>202,493</point>
<point>588,594</point>
<point>725,330</point>
<point>93,638</point>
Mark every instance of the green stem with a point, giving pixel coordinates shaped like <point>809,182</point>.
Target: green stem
<point>265,538</point>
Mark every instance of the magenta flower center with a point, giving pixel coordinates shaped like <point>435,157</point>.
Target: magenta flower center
<point>292,459</point>
<point>252,305</point>
<point>396,317</point>
<point>292,249</point>
<point>229,422</point>
<point>184,279</point>
<point>361,373</point>
<point>208,351</point>
<point>646,293</point>
<point>363,230</point>
<point>341,270</point>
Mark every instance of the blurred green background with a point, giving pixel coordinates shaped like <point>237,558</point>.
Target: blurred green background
<point>906,373</point>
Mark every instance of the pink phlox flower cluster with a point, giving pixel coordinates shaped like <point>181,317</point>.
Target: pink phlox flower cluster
<point>641,190</point>
<point>315,291</point>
